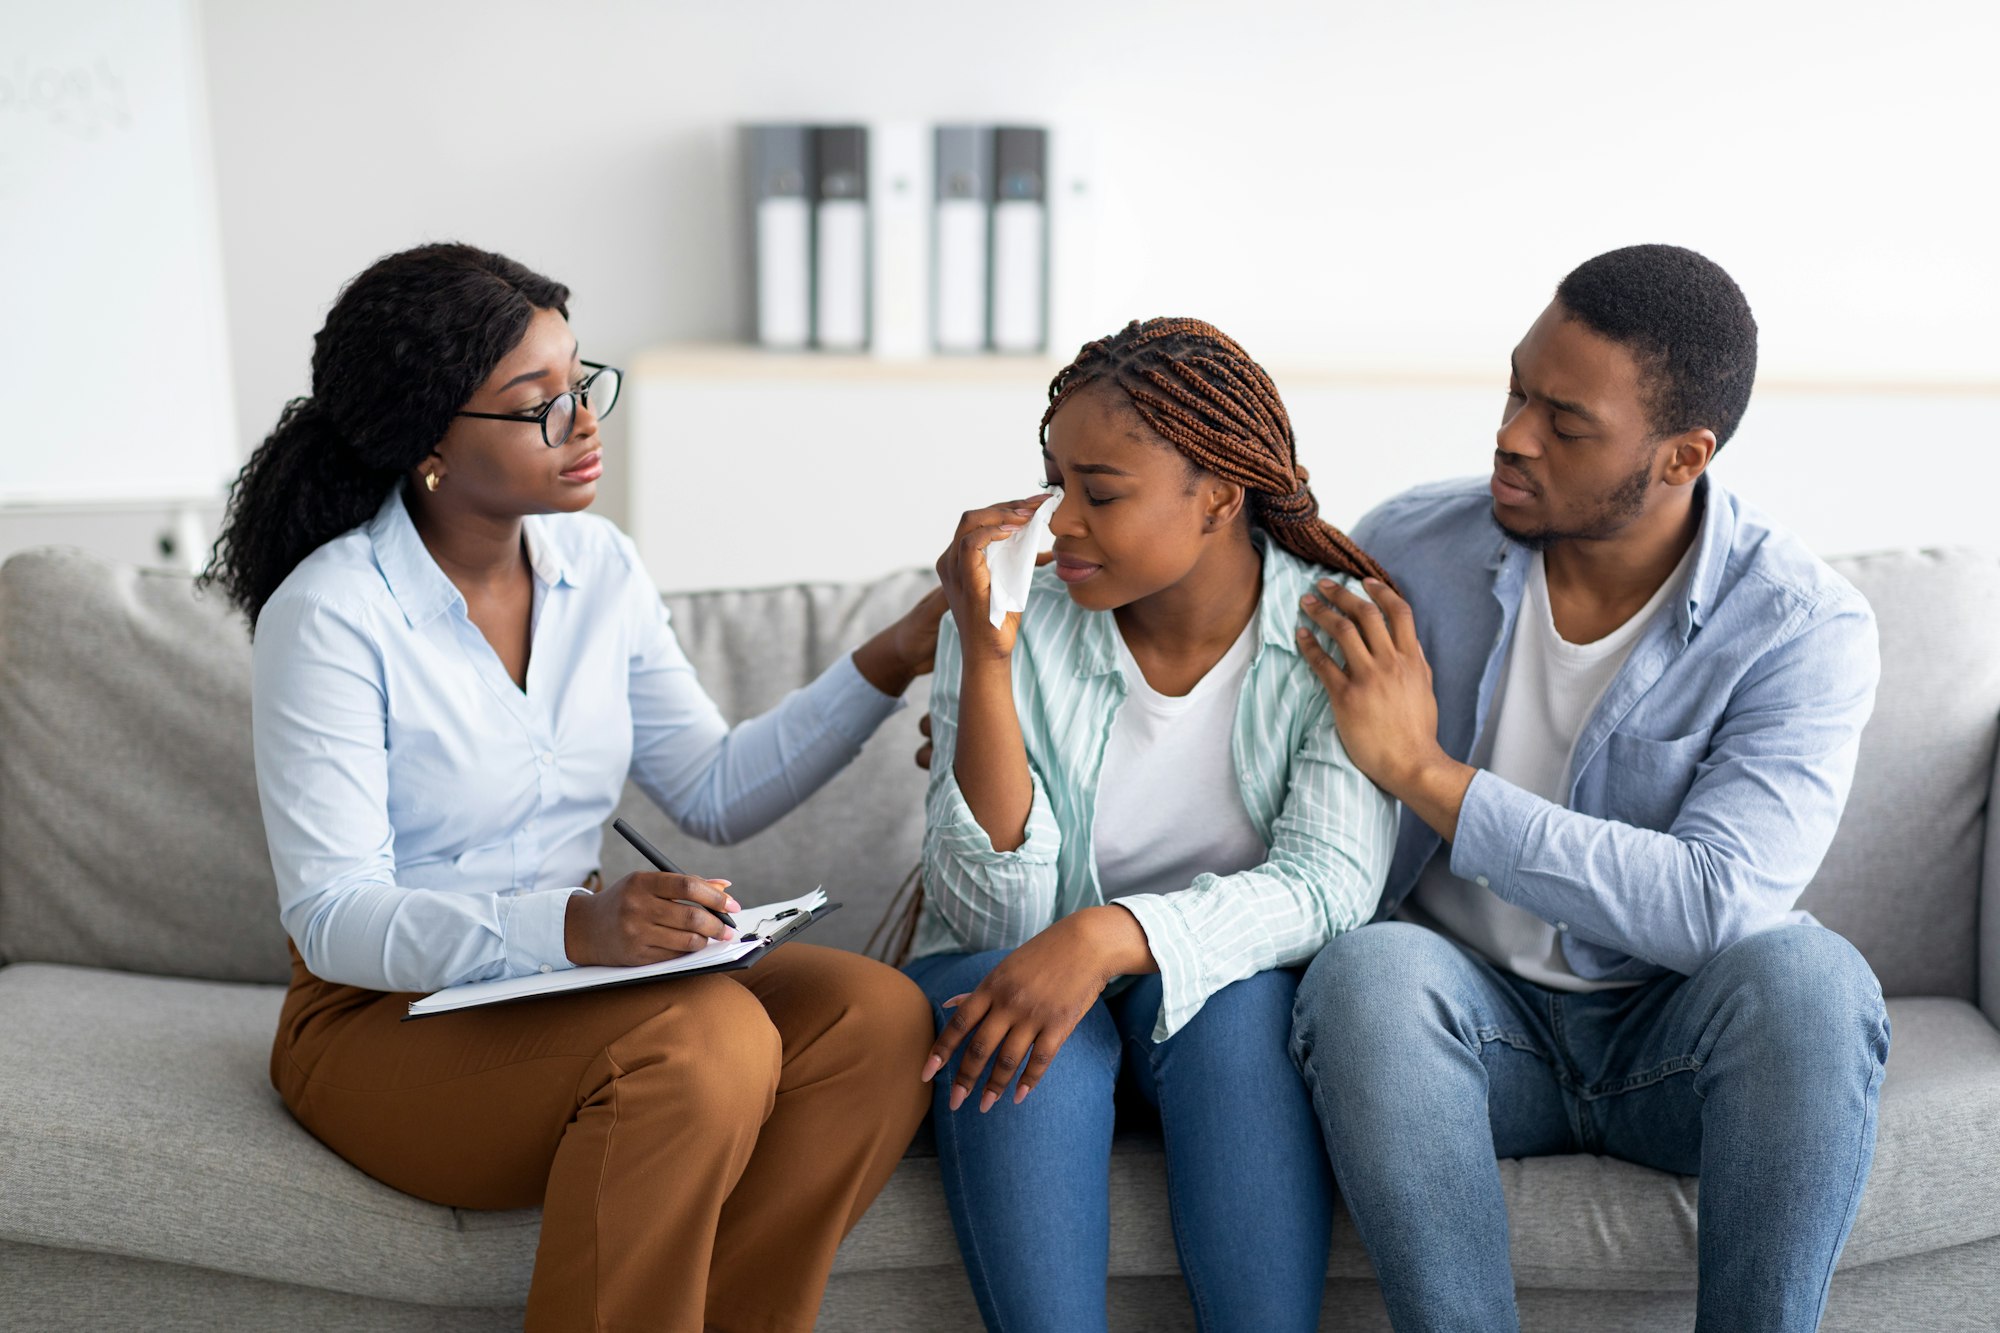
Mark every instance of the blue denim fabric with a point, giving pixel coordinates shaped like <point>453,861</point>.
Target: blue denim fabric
<point>1707,782</point>
<point>1759,1073</point>
<point>1248,1185</point>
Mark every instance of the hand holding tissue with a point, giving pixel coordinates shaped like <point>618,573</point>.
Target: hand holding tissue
<point>1010,562</point>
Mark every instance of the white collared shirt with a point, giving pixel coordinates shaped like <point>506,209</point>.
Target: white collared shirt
<point>428,819</point>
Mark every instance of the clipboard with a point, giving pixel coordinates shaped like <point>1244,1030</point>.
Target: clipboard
<point>785,921</point>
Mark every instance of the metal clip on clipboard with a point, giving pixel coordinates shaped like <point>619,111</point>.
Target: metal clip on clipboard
<point>775,930</point>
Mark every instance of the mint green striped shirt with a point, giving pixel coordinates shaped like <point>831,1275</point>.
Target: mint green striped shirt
<point>1329,830</point>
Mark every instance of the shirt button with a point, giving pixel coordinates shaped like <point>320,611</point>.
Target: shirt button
<point>547,968</point>
<point>1562,925</point>
<point>548,758</point>
<point>1480,880</point>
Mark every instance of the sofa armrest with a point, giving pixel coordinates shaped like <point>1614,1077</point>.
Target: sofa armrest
<point>1989,904</point>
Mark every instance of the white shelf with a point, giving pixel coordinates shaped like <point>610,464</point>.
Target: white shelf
<point>751,468</point>
<point>740,361</point>
<point>706,361</point>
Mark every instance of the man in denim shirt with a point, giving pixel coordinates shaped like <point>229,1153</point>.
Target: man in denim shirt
<point>1621,710</point>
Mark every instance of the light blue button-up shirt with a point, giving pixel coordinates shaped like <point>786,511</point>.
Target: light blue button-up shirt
<point>1329,829</point>
<point>428,819</point>
<point>1706,785</point>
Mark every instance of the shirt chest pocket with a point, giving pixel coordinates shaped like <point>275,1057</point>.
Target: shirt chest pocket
<point>1646,781</point>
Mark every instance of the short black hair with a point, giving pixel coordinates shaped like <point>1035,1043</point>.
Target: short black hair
<point>1687,324</point>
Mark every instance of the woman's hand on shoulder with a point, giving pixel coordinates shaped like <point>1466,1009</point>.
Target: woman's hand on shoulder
<point>967,583</point>
<point>905,650</point>
<point>1027,1006</point>
<point>646,917</point>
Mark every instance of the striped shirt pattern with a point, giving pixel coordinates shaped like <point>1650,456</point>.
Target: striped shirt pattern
<point>1330,831</point>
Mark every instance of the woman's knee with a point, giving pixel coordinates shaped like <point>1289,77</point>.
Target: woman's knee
<point>943,976</point>
<point>884,1018</point>
<point>711,1042</point>
<point>1245,1016</point>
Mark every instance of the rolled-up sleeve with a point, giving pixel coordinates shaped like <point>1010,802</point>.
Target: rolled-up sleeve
<point>988,898</point>
<point>1750,834</point>
<point>319,730</point>
<point>1329,857</point>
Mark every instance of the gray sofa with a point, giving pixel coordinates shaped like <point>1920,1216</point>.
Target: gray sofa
<point>150,1178</point>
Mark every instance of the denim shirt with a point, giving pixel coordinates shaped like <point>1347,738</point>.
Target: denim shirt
<point>1706,785</point>
<point>428,819</point>
<point>1329,829</point>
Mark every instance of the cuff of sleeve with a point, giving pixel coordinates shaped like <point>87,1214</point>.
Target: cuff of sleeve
<point>1492,822</point>
<point>1169,938</point>
<point>531,928</point>
<point>850,705</point>
<point>959,831</point>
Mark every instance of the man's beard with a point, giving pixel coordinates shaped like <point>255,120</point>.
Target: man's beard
<point>1625,502</point>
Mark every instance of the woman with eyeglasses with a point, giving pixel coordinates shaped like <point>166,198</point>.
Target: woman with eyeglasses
<point>456,669</point>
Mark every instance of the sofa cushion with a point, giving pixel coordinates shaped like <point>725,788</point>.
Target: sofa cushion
<point>129,833</point>
<point>862,832</point>
<point>137,1119</point>
<point>129,830</point>
<point>1902,878</point>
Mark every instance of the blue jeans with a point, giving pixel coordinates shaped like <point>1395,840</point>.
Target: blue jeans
<point>1248,1185</point>
<point>1759,1073</point>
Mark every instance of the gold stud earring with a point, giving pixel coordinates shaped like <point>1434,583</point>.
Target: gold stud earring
<point>431,482</point>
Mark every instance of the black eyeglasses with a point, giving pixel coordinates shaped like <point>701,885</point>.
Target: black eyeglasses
<point>598,392</point>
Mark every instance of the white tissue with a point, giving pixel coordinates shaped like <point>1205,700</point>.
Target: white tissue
<point>1010,562</point>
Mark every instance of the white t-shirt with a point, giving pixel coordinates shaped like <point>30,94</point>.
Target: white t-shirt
<point>1547,690</point>
<point>1168,804</point>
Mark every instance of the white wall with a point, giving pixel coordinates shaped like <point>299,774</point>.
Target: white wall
<point>1388,186</point>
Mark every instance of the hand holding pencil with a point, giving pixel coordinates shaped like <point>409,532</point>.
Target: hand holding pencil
<point>647,916</point>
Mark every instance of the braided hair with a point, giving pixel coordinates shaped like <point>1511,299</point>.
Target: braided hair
<point>1199,390</point>
<point>407,343</point>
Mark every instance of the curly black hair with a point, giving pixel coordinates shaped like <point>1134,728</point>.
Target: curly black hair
<point>1687,324</point>
<point>407,343</point>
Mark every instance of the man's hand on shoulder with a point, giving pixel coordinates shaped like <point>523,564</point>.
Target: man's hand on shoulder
<point>1383,706</point>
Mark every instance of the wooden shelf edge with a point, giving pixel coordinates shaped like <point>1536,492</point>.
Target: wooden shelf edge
<point>709,361</point>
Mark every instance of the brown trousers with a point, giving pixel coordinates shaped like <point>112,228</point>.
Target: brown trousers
<point>699,1145</point>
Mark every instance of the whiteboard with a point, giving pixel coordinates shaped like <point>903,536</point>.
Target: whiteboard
<point>114,360</point>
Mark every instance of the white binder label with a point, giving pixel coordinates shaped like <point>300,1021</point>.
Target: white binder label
<point>1019,255</point>
<point>842,313</point>
<point>784,272</point>
<point>961,275</point>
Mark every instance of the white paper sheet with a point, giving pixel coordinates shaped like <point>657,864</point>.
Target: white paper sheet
<point>751,920</point>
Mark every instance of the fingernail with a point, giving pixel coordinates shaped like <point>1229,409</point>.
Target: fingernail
<point>728,934</point>
<point>718,883</point>
<point>1303,632</point>
<point>731,903</point>
<point>1371,582</point>
<point>1308,600</point>
<point>1021,1091</point>
<point>957,1098</point>
<point>931,1066</point>
<point>986,1101</point>
<point>1008,530</point>
<point>1326,583</point>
